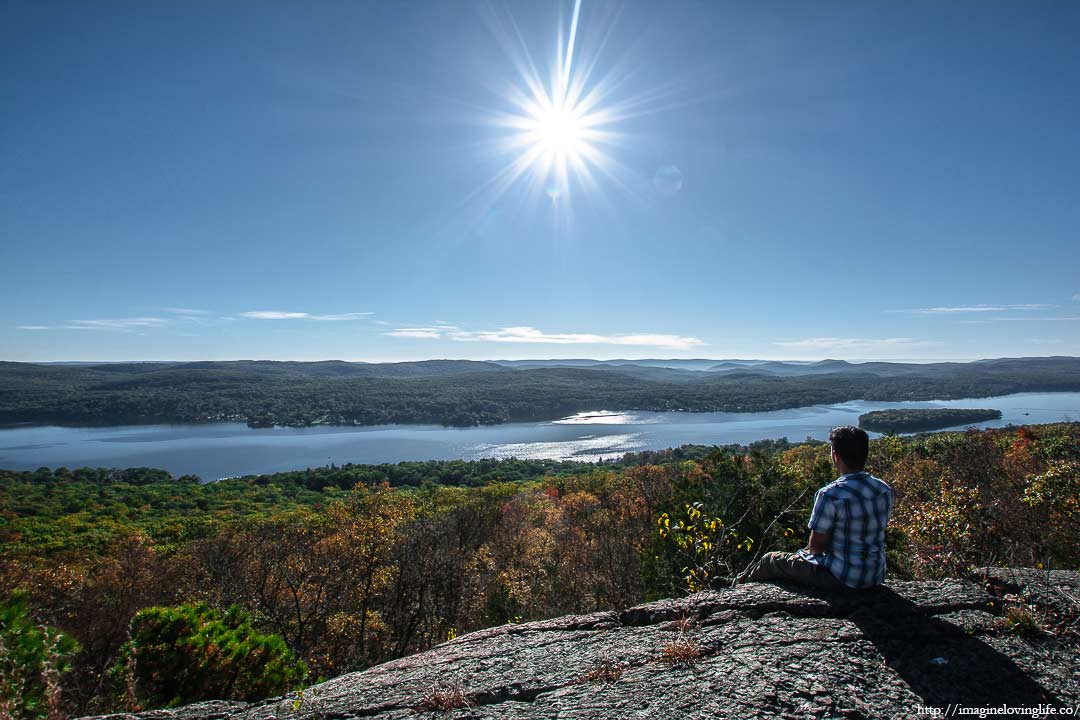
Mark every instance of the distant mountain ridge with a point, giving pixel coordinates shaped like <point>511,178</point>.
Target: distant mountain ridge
<point>700,364</point>
<point>467,392</point>
<point>436,367</point>
<point>320,368</point>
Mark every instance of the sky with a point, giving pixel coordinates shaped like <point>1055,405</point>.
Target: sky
<point>381,181</point>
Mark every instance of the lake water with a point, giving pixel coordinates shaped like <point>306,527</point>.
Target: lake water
<point>218,450</point>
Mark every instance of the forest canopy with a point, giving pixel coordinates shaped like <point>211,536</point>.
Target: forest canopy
<point>908,420</point>
<point>339,568</point>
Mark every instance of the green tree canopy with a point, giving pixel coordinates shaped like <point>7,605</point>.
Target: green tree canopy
<point>33,657</point>
<point>187,653</point>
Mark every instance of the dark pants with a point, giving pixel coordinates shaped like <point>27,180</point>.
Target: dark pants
<point>789,566</point>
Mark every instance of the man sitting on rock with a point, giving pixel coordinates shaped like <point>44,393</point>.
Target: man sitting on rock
<point>847,527</point>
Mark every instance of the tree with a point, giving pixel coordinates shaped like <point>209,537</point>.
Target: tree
<point>188,653</point>
<point>33,658</point>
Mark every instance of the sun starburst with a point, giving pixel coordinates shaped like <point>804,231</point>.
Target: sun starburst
<point>556,129</point>
<point>559,131</point>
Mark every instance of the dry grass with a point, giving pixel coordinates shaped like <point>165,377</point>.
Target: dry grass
<point>683,650</point>
<point>683,624</point>
<point>606,671</point>
<point>442,698</point>
<point>1059,616</point>
<point>1019,620</point>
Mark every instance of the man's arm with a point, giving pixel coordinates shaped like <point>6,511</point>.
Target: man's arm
<point>821,522</point>
<point>820,542</point>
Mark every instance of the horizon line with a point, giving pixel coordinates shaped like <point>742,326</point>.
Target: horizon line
<point>920,360</point>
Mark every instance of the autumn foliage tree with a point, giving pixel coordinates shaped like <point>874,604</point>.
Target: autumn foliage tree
<point>314,577</point>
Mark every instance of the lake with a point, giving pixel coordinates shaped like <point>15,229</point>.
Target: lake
<point>218,450</point>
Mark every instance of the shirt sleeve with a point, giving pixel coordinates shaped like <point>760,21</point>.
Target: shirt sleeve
<point>823,515</point>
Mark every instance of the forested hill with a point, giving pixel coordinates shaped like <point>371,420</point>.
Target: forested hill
<point>458,392</point>
<point>923,419</point>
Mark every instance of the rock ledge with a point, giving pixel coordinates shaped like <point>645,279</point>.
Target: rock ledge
<point>755,651</point>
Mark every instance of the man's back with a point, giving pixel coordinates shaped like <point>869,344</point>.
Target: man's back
<point>854,509</point>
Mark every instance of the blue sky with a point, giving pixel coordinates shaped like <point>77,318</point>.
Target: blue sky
<point>353,180</point>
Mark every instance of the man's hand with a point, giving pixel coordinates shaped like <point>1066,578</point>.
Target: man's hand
<point>820,543</point>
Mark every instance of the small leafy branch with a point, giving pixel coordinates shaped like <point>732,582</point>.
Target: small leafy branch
<point>705,543</point>
<point>305,700</point>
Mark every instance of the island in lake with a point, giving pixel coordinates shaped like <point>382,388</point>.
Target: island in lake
<point>923,419</point>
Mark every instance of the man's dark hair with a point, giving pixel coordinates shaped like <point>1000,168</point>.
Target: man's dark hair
<point>851,444</point>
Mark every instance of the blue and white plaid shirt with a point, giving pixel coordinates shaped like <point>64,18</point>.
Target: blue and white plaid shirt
<point>855,509</point>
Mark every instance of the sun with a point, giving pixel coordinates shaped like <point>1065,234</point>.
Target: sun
<point>558,133</point>
<point>560,129</point>
<point>554,126</point>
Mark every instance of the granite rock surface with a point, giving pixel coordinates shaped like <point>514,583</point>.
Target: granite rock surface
<point>758,650</point>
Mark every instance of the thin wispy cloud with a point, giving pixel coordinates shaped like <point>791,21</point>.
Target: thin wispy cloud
<point>1076,297</point>
<point>524,334</point>
<point>192,312</point>
<point>856,345</point>
<point>1025,318</point>
<point>273,315</point>
<point>965,309</point>
<point>423,333</point>
<point>110,324</point>
<point>288,315</point>
<point>117,323</point>
<point>185,318</point>
<point>193,316</point>
<point>341,316</point>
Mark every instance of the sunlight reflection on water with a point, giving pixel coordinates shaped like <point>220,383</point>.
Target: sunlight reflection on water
<point>589,448</point>
<point>604,417</point>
